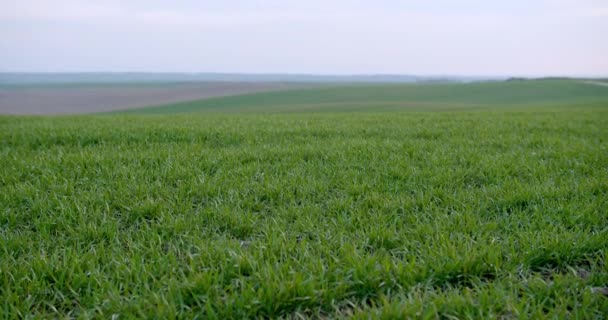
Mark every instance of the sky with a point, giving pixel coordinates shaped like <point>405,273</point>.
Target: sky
<point>422,37</point>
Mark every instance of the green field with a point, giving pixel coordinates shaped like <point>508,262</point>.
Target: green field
<point>402,97</point>
<point>291,204</point>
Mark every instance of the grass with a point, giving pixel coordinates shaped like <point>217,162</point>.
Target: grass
<point>499,213</point>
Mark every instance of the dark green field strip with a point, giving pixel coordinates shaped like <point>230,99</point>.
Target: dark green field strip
<point>394,97</point>
<point>480,214</point>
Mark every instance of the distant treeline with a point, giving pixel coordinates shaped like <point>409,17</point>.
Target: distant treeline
<point>135,77</point>
<point>554,78</point>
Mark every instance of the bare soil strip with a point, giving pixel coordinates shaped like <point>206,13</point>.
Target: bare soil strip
<point>597,83</point>
<point>77,99</point>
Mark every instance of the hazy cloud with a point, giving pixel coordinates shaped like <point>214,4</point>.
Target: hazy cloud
<point>385,36</point>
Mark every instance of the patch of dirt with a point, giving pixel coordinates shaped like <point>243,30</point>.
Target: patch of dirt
<point>90,98</point>
<point>600,290</point>
<point>597,83</point>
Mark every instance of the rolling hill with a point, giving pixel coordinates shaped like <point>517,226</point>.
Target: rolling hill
<point>406,97</point>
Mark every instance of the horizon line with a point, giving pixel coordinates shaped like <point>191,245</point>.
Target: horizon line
<point>379,74</point>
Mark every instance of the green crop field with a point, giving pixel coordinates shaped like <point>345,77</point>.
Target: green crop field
<point>331,202</point>
<point>402,97</point>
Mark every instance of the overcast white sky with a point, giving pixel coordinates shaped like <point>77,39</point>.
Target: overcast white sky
<point>426,37</point>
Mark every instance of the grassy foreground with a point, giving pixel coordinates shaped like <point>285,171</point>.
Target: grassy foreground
<point>425,215</point>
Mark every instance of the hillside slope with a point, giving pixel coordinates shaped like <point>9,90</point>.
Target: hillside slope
<point>391,97</point>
